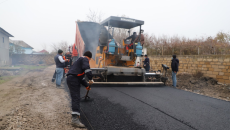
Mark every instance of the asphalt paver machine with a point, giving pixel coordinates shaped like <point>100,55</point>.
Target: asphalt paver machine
<point>111,62</point>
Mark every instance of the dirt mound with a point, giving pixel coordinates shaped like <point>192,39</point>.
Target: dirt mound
<point>202,85</point>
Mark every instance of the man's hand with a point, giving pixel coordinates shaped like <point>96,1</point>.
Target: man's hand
<point>66,60</point>
<point>91,82</point>
<point>88,88</point>
<point>174,71</point>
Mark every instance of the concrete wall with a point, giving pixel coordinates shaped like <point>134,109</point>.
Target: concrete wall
<point>4,50</point>
<point>32,59</point>
<point>216,66</point>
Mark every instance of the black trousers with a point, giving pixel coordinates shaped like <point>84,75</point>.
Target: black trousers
<point>74,89</point>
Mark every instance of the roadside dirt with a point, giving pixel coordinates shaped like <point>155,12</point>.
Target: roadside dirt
<point>204,86</point>
<point>32,101</point>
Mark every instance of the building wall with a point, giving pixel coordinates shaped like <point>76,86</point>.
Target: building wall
<point>28,50</point>
<point>4,50</point>
<point>216,66</point>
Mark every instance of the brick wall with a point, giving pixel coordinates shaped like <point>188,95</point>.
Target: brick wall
<point>32,59</point>
<point>216,66</point>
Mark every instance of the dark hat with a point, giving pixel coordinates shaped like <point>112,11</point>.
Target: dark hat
<point>134,33</point>
<point>88,53</point>
<point>145,55</point>
<point>174,56</point>
<point>60,51</point>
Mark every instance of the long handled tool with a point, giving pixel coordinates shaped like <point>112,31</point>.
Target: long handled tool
<point>86,98</point>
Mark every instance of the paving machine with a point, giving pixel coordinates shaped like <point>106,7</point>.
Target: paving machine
<point>111,62</point>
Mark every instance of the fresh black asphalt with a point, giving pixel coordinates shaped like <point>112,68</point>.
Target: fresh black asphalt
<point>152,108</point>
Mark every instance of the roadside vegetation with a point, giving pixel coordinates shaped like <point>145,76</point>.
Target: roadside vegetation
<point>9,73</point>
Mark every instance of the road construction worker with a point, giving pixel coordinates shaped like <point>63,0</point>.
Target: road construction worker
<point>142,39</point>
<point>133,37</point>
<point>174,66</point>
<point>68,62</point>
<point>60,64</point>
<point>76,77</point>
<point>75,53</point>
<point>146,64</point>
<point>68,56</point>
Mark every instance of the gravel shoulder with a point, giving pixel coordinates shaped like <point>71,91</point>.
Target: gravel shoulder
<point>32,101</point>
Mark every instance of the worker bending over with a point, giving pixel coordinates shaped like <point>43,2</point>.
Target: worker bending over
<point>76,77</point>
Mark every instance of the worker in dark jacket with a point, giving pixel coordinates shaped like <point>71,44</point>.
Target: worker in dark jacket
<point>174,66</point>
<point>60,64</point>
<point>146,64</point>
<point>68,61</point>
<point>76,77</point>
<point>133,37</point>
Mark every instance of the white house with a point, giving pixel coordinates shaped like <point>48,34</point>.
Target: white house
<point>26,49</point>
<point>4,47</point>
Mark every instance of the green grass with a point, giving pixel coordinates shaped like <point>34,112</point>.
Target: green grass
<point>31,67</point>
<point>4,79</point>
<point>24,69</point>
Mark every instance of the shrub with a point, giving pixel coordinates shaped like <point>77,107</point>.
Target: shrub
<point>197,74</point>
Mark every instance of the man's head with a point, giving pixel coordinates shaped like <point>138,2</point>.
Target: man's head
<point>134,33</point>
<point>174,56</point>
<point>67,53</point>
<point>88,55</point>
<point>60,51</point>
<point>146,56</point>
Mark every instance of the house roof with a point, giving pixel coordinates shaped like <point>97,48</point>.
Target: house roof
<point>20,43</point>
<point>5,32</point>
<point>43,51</point>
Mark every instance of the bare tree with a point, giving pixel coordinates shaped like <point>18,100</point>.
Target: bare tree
<point>94,16</point>
<point>64,46</point>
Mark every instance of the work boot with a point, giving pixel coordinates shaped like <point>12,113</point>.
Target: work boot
<point>53,79</point>
<point>76,121</point>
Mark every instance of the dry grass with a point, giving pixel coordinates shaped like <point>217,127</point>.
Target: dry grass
<point>198,74</point>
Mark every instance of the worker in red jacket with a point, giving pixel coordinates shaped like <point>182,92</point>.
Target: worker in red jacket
<point>74,53</point>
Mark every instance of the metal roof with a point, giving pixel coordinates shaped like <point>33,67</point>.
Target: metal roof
<point>122,22</point>
<point>5,32</point>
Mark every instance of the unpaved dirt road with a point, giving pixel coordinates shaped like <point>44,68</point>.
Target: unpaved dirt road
<point>32,101</point>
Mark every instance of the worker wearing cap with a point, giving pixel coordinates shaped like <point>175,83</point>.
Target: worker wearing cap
<point>60,64</point>
<point>146,64</point>
<point>76,77</point>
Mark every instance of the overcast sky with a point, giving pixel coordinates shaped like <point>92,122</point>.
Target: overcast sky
<point>43,22</point>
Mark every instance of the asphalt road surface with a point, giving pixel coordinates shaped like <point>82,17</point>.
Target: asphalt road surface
<point>152,108</point>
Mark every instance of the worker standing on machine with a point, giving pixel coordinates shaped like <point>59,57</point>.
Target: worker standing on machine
<point>146,64</point>
<point>142,39</point>
<point>76,77</point>
<point>133,37</point>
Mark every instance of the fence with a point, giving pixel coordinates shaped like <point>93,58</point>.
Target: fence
<point>32,59</point>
